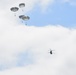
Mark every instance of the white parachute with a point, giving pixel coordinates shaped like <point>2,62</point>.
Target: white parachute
<point>21,5</point>
<point>14,9</point>
<point>24,18</point>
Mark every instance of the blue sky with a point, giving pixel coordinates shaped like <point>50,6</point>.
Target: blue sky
<point>25,58</point>
<point>60,13</point>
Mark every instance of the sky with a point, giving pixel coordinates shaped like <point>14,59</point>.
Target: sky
<point>24,49</point>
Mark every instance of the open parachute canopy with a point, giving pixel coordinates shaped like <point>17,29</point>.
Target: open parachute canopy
<point>23,17</point>
<point>14,9</point>
<point>26,18</point>
<point>21,5</point>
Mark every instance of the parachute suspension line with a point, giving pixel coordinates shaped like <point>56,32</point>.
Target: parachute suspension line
<point>24,18</point>
<point>22,9</point>
<point>22,5</point>
<point>22,21</point>
<point>14,9</point>
<point>25,23</point>
<point>14,14</point>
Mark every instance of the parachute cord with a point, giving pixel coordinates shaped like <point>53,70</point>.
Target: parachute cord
<point>25,23</point>
<point>22,10</point>
<point>15,14</point>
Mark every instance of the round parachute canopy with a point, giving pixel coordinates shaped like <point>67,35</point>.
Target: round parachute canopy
<point>14,9</point>
<point>25,18</point>
<point>21,5</point>
<point>21,16</point>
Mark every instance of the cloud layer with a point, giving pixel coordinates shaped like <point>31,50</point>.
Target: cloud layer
<point>25,49</point>
<point>37,41</point>
<point>21,45</point>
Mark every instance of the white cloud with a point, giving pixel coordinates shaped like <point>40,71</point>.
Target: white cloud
<point>16,39</point>
<point>45,3</point>
<point>71,2</point>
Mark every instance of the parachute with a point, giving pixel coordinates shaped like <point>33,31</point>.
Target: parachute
<point>23,17</point>
<point>14,9</point>
<point>21,5</point>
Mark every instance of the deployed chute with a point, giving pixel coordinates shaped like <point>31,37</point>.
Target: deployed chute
<point>21,5</point>
<point>24,18</point>
<point>14,9</point>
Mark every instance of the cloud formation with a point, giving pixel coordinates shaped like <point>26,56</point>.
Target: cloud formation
<point>20,44</point>
<point>25,49</point>
<point>37,41</point>
<point>71,2</point>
